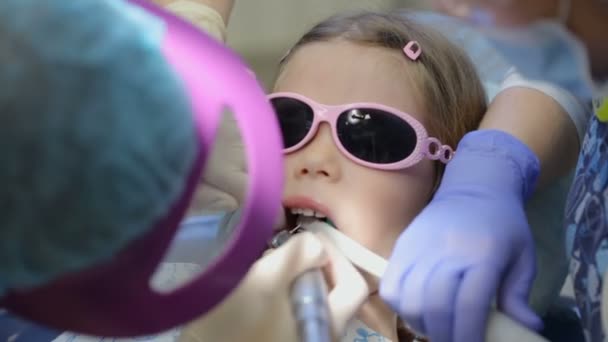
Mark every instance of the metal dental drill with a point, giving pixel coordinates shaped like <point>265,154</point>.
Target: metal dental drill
<point>308,298</point>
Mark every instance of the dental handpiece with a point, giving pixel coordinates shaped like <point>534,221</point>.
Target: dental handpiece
<point>309,305</point>
<point>308,299</point>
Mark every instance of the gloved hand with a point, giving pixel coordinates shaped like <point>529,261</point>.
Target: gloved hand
<point>224,181</point>
<point>259,309</point>
<point>472,243</point>
<point>223,184</point>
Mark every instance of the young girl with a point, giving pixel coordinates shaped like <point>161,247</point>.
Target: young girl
<point>357,98</point>
<point>370,106</point>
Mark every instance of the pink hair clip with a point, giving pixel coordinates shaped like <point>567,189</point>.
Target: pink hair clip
<point>412,50</point>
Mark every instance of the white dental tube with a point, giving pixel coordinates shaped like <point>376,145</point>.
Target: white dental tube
<point>500,328</point>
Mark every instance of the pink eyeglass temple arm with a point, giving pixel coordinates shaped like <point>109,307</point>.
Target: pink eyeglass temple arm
<point>435,150</point>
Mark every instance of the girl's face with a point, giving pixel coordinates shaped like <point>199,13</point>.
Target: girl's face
<point>371,206</point>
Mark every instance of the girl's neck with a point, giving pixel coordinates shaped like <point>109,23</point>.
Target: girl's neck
<point>379,317</point>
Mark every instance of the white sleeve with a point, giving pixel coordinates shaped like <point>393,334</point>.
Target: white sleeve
<point>202,16</point>
<point>579,111</point>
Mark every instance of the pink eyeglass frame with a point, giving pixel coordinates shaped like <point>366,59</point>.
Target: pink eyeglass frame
<point>426,147</point>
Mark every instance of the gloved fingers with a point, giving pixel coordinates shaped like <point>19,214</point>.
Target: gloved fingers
<point>349,290</point>
<point>390,284</point>
<point>400,263</point>
<point>302,252</point>
<point>440,298</point>
<point>413,288</point>
<point>230,139</point>
<point>209,199</point>
<point>231,183</point>
<point>477,289</point>
<point>513,294</point>
<point>226,167</point>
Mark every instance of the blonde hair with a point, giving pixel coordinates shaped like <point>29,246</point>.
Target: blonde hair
<point>453,93</point>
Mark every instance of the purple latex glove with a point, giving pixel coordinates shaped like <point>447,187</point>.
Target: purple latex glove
<point>470,245</point>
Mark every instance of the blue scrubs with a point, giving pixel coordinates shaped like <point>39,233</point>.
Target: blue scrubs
<point>587,224</point>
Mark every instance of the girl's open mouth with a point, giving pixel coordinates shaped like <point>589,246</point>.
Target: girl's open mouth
<point>298,209</point>
<point>299,214</point>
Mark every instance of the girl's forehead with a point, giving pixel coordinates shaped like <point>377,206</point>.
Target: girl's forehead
<point>340,72</point>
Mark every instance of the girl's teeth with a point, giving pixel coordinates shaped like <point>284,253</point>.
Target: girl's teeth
<point>306,212</point>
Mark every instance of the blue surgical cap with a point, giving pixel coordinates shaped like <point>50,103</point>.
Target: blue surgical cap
<point>96,134</point>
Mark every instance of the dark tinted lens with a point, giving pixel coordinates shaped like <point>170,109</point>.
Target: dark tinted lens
<point>295,118</point>
<point>376,136</point>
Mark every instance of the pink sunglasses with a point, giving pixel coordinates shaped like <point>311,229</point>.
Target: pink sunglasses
<point>371,134</point>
